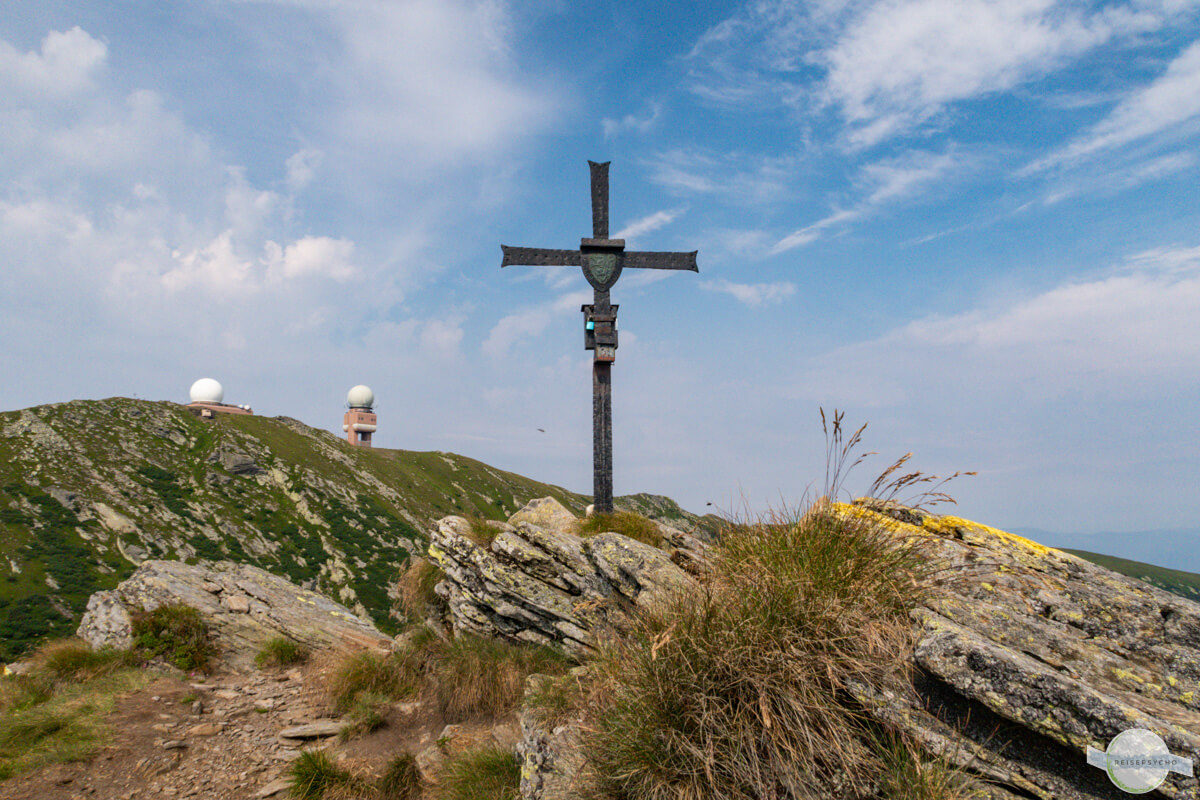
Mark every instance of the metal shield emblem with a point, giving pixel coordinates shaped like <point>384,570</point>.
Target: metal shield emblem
<point>601,270</point>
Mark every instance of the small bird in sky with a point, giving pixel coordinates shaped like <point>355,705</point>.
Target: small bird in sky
<point>543,430</point>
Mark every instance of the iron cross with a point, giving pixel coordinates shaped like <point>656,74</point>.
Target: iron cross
<point>602,260</point>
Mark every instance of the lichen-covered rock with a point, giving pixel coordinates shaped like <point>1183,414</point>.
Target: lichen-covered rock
<point>547,586</point>
<point>550,756</point>
<point>1027,655</point>
<point>546,513</point>
<point>243,605</point>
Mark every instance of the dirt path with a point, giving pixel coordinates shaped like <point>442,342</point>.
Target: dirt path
<point>219,739</point>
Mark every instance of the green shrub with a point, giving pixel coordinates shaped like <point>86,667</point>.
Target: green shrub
<point>737,691</point>
<point>484,774</point>
<point>401,780</point>
<point>281,652</point>
<point>313,773</point>
<point>626,523</point>
<point>177,634</point>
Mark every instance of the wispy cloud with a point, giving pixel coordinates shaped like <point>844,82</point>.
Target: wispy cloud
<point>631,123</point>
<point>649,223</point>
<point>874,62</point>
<point>530,322</point>
<point>731,177</point>
<point>879,184</point>
<point>1170,100</point>
<point>1127,331</point>
<point>752,294</point>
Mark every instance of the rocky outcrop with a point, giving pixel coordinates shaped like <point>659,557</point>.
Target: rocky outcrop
<point>1027,655</point>
<point>1024,657</point>
<point>243,605</point>
<point>548,585</point>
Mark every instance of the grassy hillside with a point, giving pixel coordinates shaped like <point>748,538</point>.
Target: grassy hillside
<point>1184,584</point>
<point>88,489</point>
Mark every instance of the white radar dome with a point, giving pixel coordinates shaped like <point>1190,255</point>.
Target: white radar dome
<point>360,397</point>
<point>206,390</point>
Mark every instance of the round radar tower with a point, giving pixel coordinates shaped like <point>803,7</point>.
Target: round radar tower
<point>207,390</point>
<point>359,422</point>
<point>361,397</point>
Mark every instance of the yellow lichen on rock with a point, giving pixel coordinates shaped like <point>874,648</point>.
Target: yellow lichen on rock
<point>947,525</point>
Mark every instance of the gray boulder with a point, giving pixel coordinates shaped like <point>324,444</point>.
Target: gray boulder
<point>547,585</point>
<point>244,606</point>
<point>1026,655</point>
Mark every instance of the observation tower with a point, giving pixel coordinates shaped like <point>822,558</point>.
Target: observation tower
<point>359,422</point>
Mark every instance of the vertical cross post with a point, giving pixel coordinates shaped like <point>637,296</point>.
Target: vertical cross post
<point>602,260</point>
<point>602,477</point>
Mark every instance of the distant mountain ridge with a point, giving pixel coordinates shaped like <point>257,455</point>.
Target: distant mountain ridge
<point>91,488</point>
<point>1171,549</point>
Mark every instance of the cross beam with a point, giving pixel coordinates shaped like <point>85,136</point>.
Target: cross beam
<point>602,260</point>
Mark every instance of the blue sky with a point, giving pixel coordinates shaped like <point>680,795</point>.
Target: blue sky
<point>973,225</point>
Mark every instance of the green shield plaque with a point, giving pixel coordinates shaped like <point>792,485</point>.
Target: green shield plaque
<point>601,270</point>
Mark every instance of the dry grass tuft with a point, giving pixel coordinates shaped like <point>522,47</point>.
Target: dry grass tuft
<point>467,676</point>
<point>626,523</point>
<point>479,675</point>
<point>416,588</point>
<point>744,692</point>
<point>909,774</point>
<point>741,693</point>
<point>485,774</point>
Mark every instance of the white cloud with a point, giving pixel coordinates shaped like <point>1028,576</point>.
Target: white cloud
<point>889,66</point>
<point>885,73</point>
<point>531,322</point>
<point>1170,100</point>
<point>66,64</point>
<point>216,267</point>
<point>441,338</point>
<point>632,123</point>
<point>302,167</point>
<point>752,294</point>
<point>649,223</point>
<point>1126,333</point>
<point>247,208</point>
<point>435,79</point>
<point>311,256</point>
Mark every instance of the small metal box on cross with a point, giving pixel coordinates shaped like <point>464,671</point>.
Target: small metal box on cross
<point>602,260</point>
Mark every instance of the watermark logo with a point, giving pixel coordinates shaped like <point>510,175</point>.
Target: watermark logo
<point>1137,761</point>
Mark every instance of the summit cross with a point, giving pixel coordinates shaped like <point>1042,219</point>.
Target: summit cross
<point>602,260</point>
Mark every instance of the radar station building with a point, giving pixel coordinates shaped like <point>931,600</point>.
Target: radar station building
<point>359,422</point>
<point>207,396</point>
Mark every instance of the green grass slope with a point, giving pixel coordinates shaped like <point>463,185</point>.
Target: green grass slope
<point>1184,584</point>
<point>90,488</point>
